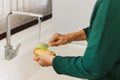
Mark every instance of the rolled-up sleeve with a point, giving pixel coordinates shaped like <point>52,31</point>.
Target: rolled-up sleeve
<point>86,30</point>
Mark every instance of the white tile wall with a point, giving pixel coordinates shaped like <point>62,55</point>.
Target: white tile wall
<point>14,6</point>
<point>7,6</point>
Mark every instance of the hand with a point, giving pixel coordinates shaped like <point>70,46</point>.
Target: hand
<point>58,39</point>
<point>44,59</point>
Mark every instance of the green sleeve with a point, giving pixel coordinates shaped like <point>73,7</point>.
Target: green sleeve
<point>103,48</point>
<point>86,30</point>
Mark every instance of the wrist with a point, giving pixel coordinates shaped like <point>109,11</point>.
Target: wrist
<point>52,58</point>
<point>69,37</point>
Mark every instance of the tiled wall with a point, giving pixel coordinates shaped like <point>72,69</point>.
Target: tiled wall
<point>6,6</point>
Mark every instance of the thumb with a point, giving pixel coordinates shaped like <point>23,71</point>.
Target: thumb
<point>36,58</point>
<point>56,43</point>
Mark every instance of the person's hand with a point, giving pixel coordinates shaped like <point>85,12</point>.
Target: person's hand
<point>58,39</point>
<point>44,59</point>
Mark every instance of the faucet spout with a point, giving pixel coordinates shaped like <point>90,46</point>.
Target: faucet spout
<point>27,14</point>
<point>10,53</point>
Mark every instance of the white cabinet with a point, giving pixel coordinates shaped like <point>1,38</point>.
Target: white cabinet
<point>71,15</point>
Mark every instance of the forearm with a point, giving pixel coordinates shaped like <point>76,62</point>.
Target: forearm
<point>77,36</point>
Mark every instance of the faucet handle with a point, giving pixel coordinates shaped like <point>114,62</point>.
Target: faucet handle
<point>15,52</point>
<point>17,48</point>
<point>10,53</point>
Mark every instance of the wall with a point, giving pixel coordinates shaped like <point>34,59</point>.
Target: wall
<point>36,6</point>
<point>71,15</point>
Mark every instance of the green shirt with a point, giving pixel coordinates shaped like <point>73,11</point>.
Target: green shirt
<point>101,60</point>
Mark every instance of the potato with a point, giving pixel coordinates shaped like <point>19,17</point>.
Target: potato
<point>38,51</point>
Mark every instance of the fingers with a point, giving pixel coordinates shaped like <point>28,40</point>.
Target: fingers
<point>41,63</point>
<point>55,37</point>
<point>44,59</point>
<point>55,40</point>
<point>36,58</point>
<point>57,43</point>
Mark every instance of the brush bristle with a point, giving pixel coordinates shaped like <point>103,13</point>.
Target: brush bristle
<point>43,46</point>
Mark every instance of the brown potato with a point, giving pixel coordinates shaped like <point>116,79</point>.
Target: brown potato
<point>38,51</point>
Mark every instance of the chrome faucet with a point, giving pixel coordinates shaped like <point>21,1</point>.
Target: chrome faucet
<point>10,53</point>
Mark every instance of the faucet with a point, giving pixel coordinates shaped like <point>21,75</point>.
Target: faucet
<point>10,53</point>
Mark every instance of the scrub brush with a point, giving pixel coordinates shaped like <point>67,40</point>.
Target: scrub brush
<point>43,48</point>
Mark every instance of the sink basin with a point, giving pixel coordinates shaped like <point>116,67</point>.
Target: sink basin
<point>23,67</point>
